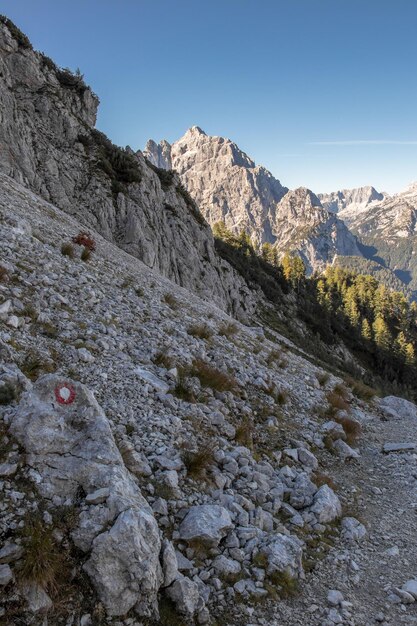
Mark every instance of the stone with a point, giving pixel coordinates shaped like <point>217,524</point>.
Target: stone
<point>98,497</point>
<point>399,406</point>
<point>334,597</point>
<point>206,523</point>
<point>8,469</point>
<point>283,555</point>
<point>352,529</point>
<point>6,575</point>
<point>85,355</point>
<point>124,564</point>
<point>398,447</point>
<point>225,567</point>
<point>303,491</point>
<point>158,384</point>
<point>5,309</point>
<point>184,593</point>
<point>58,430</point>
<point>169,563</point>
<point>36,597</point>
<point>10,552</point>
<point>411,587</point>
<point>307,459</point>
<point>326,505</point>
<point>345,451</point>
<point>13,321</point>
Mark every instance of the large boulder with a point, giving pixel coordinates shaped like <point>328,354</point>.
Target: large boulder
<point>326,505</point>
<point>206,524</point>
<point>302,492</point>
<point>71,450</point>
<point>283,555</point>
<point>393,406</point>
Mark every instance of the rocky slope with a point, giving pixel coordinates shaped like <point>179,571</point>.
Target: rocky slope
<point>49,143</point>
<point>159,469</point>
<point>229,187</point>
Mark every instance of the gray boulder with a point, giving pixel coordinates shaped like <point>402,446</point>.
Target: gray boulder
<point>283,555</point>
<point>352,529</point>
<point>303,492</point>
<point>184,593</point>
<point>393,406</point>
<point>206,523</point>
<point>326,505</point>
<point>69,444</point>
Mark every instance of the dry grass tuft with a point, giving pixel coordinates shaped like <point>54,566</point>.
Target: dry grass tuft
<point>198,462</point>
<point>210,376</point>
<point>227,329</point>
<point>323,378</point>
<point>244,433</point>
<point>352,428</point>
<point>201,331</point>
<point>44,562</point>
<point>162,359</point>
<point>360,389</point>
<point>171,301</point>
<point>67,249</point>
<point>336,402</point>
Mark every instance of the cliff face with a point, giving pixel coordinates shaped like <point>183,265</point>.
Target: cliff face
<point>49,144</point>
<point>229,187</point>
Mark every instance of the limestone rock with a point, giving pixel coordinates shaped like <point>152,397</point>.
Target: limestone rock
<point>326,505</point>
<point>206,523</point>
<point>283,554</point>
<point>184,593</point>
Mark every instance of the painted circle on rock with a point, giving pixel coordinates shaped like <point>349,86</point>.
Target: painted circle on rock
<point>65,393</point>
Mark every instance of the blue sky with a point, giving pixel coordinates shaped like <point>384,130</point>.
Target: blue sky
<point>321,92</point>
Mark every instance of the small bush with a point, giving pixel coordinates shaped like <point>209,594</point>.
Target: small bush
<point>336,402</point>
<point>244,433</point>
<point>43,562</point>
<point>227,329</point>
<point>182,390</point>
<point>7,393</point>
<point>210,376</point>
<point>323,378</point>
<point>281,397</point>
<point>162,359</point>
<point>4,275</point>
<point>320,479</point>
<point>171,301</point>
<point>34,364</point>
<point>84,239</point>
<point>360,389</point>
<point>16,33</point>
<point>85,255</point>
<point>351,427</point>
<point>201,331</point>
<point>197,462</point>
<point>67,249</point>
<point>47,329</point>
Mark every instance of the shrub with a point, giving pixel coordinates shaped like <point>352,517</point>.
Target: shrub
<point>84,239</point>
<point>162,359</point>
<point>7,393</point>
<point>71,80</point>
<point>197,462</point>
<point>281,397</point>
<point>182,390</point>
<point>4,275</point>
<point>336,402</point>
<point>67,250</point>
<point>351,427</point>
<point>360,389</point>
<point>166,177</point>
<point>202,331</point>
<point>210,376</point>
<point>119,164</point>
<point>171,301</point>
<point>244,433</point>
<point>227,329</point>
<point>323,378</point>
<point>85,255</point>
<point>195,212</point>
<point>16,33</point>
<point>34,364</point>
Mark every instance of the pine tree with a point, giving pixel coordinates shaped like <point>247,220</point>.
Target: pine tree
<point>382,335</point>
<point>366,330</point>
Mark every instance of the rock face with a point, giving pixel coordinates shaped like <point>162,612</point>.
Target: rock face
<point>229,187</point>
<point>49,144</point>
<point>348,203</point>
<point>71,450</point>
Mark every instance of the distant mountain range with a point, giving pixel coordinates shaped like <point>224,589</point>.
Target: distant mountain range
<point>361,228</point>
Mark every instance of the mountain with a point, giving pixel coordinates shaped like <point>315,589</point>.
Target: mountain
<point>49,144</point>
<point>348,203</point>
<point>229,187</point>
<point>388,229</point>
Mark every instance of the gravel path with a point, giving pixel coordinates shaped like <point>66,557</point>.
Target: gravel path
<point>381,491</point>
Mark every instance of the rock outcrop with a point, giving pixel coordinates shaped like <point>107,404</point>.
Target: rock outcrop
<point>50,145</point>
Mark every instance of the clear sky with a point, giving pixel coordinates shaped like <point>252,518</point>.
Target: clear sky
<point>321,92</point>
